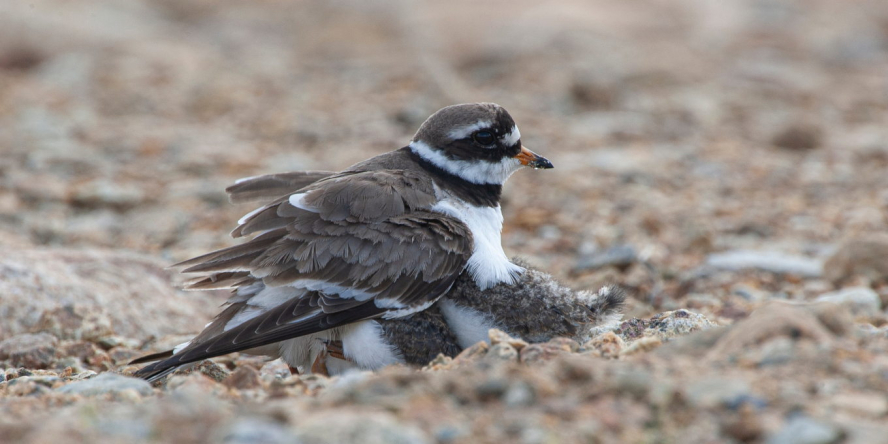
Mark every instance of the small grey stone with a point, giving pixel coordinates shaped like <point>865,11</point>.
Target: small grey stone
<point>258,431</point>
<point>773,261</point>
<point>29,350</point>
<point>618,256</point>
<point>859,256</point>
<point>502,352</point>
<point>47,381</point>
<point>101,192</point>
<point>778,350</point>
<point>801,429</point>
<point>709,393</point>
<point>492,388</point>
<point>519,394</point>
<point>107,383</point>
<point>356,427</point>
<point>861,300</point>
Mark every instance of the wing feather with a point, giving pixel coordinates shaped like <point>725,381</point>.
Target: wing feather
<point>273,186</point>
<point>359,233</point>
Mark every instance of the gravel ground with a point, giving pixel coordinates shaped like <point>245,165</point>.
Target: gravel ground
<point>725,162</point>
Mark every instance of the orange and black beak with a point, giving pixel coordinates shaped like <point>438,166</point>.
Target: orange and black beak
<point>533,160</point>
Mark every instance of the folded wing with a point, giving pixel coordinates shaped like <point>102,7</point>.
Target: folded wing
<point>352,247</point>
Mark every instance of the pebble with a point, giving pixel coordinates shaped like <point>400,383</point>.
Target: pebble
<point>799,137</point>
<point>257,431</point>
<point>244,378</point>
<point>800,429</point>
<point>674,323</point>
<point>29,350</point>
<point>348,427</point>
<point>107,383</point>
<point>607,345</point>
<point>105,193</point>
<point>773,261</point>
<point>76,322</point>
<point>617,256</point>
<point>874,405</point>
<point>860,300</point>
<point>502,352</point>
<point>519,394</point>
<point>859,256</point>
<point>715,392</point>
<point>498,336</point>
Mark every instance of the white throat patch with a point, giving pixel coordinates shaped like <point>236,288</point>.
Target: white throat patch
<point>475,171</point>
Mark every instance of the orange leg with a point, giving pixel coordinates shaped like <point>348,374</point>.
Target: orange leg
<point>331,349</point>
<point>319,366</point>
<point>334,349</point>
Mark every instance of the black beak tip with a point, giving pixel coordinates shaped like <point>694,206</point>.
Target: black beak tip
<point>542,164</point>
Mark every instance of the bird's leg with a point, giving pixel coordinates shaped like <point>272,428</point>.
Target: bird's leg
<point>319,366</point>
<point>331,349</point>
<point>293,370</point>
<point>334,349</point>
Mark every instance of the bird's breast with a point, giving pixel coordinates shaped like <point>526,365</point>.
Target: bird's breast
<point>488,264</point>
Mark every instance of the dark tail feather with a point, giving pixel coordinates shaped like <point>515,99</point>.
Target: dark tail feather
<point>152,357</point>
<point>609,302</point>
<point>155,371</point>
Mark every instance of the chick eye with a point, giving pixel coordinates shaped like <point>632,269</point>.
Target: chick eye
<point>485,138</point>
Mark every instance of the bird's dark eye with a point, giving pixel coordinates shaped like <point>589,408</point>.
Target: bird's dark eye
<point>485,138</point>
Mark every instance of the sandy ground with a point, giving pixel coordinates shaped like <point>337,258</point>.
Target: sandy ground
<point>725,162</point>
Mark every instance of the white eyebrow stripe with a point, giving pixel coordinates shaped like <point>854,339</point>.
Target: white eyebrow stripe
<point>513,137</point>
<point>465,131</point>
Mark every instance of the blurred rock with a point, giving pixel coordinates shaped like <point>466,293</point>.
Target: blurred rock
<point>677,323</point>
<point>774,320</point>
<point>801,429</point>
<point>860,300</point>
<point>498,336</point>
<point>74,293</point>
<point>873,405</point>
<point>108,383</point>
<point>357,428</point>
<point>859,256</point>
<point>75,322</point>
<point>258,431</point>
<point>799,137</point>
<point>772,261</point>
<point>105,193</point>
<point>244,378</point>
<point>29,350</point>
<point>606,345</point>
<point>716,392</point>
<point>502,352</point>
<point>620,256</point>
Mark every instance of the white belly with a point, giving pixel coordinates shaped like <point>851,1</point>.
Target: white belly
<point>362,343</point>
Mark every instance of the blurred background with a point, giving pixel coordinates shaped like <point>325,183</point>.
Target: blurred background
<point>679,129</point>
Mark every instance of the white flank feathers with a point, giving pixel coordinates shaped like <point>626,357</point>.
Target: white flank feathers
<point>476,171</point>
<point>363,343</point>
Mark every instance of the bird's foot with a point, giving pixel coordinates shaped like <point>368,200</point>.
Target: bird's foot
<point>331,349</point>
